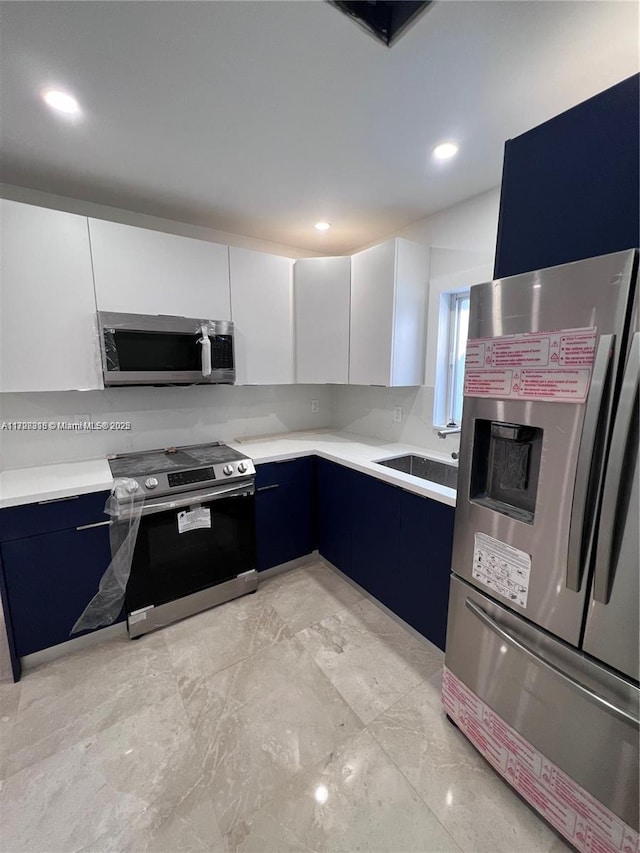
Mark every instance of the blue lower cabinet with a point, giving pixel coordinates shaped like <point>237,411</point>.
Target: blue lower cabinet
<point>336,513</point>
<point>49,580</point>
<point>376,535</point>
<point>395,544</point>
<point>285,511</point>
<point>421,595</point>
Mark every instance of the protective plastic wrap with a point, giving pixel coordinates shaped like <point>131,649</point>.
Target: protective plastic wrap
<point>106,604</point>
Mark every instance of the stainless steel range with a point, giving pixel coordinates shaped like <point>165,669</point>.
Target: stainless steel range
<point>195,545</point>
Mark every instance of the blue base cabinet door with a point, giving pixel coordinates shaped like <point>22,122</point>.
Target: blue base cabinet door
<point>336,512</point>
<point>421,594</point>
<point>285,511</point>
<point>49,581</point>
<point>375,562</point>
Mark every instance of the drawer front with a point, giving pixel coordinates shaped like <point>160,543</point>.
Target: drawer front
<point>281,473</point>
<point>20,522</point>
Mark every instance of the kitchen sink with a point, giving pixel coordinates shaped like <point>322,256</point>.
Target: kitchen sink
<point>426,469</point>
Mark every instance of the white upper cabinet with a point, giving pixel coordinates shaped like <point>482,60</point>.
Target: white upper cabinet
<point>322,288</point>
<point>262,314</point>
<point>138,271</point>
<point>388,314</point>
<point>48,333</point>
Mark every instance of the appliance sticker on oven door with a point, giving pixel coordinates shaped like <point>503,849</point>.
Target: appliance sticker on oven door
<point>194,519</point>
<point>548,366</point>
<point>502,568</point>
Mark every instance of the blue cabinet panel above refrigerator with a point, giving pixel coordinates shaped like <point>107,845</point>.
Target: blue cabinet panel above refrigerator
<point>570,187</point>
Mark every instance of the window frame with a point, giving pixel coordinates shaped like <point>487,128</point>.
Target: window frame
<point>456,300</point>
<point>438,320</point>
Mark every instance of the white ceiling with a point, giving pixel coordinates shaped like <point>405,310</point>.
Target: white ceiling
<point>262,117</point>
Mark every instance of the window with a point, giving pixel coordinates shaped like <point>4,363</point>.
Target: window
<point>456,346</point>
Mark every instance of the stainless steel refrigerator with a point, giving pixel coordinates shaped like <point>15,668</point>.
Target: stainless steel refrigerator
<point>542,662</point>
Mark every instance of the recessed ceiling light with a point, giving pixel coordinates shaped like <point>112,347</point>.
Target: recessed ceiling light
<point>323,226</point>
<point>445,151</point>
<point>61,102</point>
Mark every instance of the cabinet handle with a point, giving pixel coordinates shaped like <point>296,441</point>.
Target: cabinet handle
<point>266,488</point>
<point>59,500</point>
<point>90,526</point>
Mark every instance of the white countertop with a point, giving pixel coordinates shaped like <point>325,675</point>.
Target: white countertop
<point>354,451</point>
<point>47,482</point>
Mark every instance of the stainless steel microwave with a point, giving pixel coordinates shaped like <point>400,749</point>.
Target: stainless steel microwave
<point>142,349</point>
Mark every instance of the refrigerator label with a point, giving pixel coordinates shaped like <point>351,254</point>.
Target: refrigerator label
<point>548,366</point>
<point>501,567</point>
<point>194,519</point>
<point>584,821</point>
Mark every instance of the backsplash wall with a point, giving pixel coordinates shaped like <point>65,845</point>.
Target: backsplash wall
<point>369,410</point>
<point>160,417</point>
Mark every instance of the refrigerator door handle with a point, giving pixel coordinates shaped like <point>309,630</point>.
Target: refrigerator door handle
<point>586,462</point>
<point>529,652</point>
<point>618,461</point>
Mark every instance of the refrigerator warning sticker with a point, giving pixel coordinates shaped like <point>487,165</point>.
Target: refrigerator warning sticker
<point>584,821</point>
<point>548,366</point>
<point>502,568</point>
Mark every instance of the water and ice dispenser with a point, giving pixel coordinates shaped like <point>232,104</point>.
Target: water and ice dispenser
<point>505,468</point>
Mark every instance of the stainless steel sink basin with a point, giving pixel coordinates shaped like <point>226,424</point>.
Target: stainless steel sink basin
<point>426,469</point>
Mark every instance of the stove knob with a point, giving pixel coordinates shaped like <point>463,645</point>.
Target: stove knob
<point>151,482</point>
<point>228,470</point>
<point>132,486</point>
<point>242,467</point>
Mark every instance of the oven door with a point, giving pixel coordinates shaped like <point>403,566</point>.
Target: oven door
<point>191,543</point>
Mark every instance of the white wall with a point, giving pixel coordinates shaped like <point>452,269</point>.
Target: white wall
<point>368,410</point>
<point>470,226</point>
<point>160,417</point>
<point>142,220</point>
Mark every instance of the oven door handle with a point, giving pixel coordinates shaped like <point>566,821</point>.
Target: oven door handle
<point>156,505</point>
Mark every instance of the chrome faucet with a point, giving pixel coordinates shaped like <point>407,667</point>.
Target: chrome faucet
<point>453,430</point>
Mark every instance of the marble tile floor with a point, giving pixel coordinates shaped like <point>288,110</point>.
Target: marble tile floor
<point>301,718</point>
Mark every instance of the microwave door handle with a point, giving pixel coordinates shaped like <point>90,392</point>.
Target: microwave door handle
<point>587,466</point>
<point>205,353</point>
<point>618,465</point>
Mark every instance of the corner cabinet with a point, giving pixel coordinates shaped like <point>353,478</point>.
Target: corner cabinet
<point>322,296</point>
<point>139,271</point>
<point>395,544</point>
<point>48,333</point>
<point>388,314</point>
<point>262,313</point>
